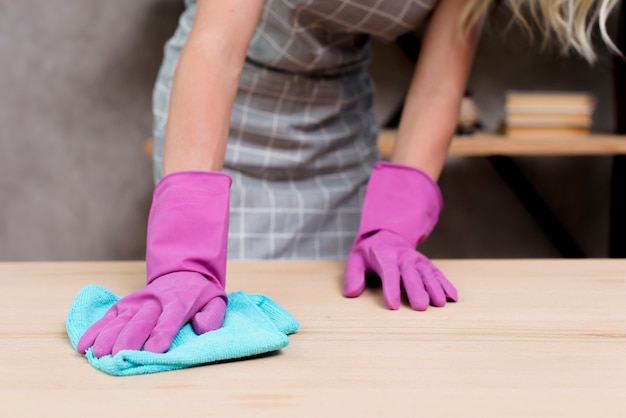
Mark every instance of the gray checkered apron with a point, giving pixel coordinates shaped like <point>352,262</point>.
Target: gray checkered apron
<point>303,131</point>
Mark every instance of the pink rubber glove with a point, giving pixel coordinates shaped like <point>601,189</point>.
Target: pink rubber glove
<point>186,267</point>
<point>401,208</point>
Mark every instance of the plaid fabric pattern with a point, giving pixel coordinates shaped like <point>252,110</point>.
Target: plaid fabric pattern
<point>303,131</point>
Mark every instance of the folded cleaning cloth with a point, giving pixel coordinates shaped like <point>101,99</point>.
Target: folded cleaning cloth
<point>254,324</point>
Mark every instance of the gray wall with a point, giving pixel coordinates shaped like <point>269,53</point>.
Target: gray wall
<point>74,111</point>
<point>75,90</point>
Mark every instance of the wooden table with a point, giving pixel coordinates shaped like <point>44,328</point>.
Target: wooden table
<point>528,339</point>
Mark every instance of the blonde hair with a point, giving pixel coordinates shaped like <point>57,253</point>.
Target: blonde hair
<point>569,21</point>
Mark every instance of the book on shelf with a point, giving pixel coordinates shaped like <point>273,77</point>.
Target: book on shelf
<point>546,132</point>
<point>541,120</point>
<point>563,108</point>
<point>545,114</point>
<point>550,98</point>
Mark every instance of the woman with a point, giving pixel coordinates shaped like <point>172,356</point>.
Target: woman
<point>272,97</point>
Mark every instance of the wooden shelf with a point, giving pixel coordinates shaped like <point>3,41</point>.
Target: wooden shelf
<point>485,144</point>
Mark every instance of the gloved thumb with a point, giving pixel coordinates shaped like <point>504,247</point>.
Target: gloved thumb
<point>210,317</point>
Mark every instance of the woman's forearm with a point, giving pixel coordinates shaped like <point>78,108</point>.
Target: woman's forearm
<point>431,111</point>
<point>197,130</point>
<point>205,84</point>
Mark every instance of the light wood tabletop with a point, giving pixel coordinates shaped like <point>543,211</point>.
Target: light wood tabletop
<point>528,338</point>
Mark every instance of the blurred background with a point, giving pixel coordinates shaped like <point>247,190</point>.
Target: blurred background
<point>76,80</point>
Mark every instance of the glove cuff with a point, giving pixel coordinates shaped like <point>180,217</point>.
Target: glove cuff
<point>400,199</point>
<point>188,225</point>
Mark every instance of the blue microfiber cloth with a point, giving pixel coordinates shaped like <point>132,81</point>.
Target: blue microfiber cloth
<point>254,324</point>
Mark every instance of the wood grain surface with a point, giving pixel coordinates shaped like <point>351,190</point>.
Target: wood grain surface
<point>528,338</point>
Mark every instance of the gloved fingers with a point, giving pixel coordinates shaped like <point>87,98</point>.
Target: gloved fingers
<point>354,277</point>
<point>448,288</point>
<point>171,321</point>
<point>210,317</point>
<point>414,287</point>
<point>431,283</point>
<point>138,328</point>
<point>103,345</point>
<point>89,337</point>
<point>385,264</point>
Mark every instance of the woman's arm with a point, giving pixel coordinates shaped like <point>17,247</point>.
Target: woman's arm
<point>205,84</point>
<point>431,111</point>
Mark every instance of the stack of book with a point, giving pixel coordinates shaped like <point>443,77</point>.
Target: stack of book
<point>544,115</point>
